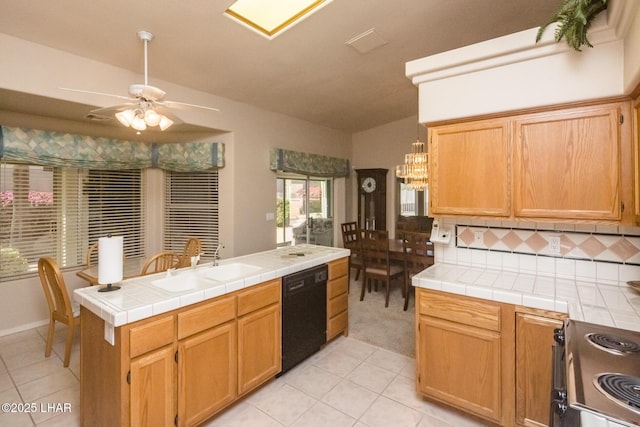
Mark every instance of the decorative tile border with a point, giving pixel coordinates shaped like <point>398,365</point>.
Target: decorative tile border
<point>602,247</point>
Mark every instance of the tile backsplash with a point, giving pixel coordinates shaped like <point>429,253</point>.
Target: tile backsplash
<point>606,254</point>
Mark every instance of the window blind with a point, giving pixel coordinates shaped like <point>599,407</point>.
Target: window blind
<point>58,212</point>
<point>191,210</point>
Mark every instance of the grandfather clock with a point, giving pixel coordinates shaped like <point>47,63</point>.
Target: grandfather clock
<point>372,198</point>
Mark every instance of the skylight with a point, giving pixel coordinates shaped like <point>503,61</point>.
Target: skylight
<point>270,18</point>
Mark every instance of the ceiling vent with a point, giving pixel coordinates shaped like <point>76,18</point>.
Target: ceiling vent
<point>367,41</point>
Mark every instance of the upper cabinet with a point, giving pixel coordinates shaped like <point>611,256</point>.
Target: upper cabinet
<point>560,165</point>
<point>470,168</point>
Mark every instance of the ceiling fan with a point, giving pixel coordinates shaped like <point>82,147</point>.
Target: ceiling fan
<point>145,104</point>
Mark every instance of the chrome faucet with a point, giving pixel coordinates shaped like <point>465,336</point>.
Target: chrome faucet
<point>216,254</point>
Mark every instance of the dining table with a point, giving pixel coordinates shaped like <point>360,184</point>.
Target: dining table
<point>131,267</point>
<point>396,251</point>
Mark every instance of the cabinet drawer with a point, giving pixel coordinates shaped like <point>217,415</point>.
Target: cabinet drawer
<point>338,268</point>
<point>337,305</point>
<point>206,316</point>
<point>337,324</point>
<point>259,296</point>
<point>460,309</point>
<point>150,336</point>
<point>337,287</point>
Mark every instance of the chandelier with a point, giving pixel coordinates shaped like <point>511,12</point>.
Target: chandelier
<point>415,169</point>
<point>142,116</point>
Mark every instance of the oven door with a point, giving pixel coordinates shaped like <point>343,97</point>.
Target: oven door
<point>560,413</point>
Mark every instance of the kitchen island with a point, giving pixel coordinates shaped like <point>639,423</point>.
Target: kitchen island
<point>177,347</point>
<point>484,336</point>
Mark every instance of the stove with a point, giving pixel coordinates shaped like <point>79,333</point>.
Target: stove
<point>599,382</point>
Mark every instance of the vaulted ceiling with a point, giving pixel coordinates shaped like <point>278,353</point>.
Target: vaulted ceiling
<point>308,72</point>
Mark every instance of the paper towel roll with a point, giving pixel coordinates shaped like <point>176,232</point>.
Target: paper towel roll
<point>109,260</point>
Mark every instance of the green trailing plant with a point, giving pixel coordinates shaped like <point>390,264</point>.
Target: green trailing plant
<point>574,19</point>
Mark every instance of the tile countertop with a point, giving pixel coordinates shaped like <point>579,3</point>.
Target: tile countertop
<point>138,299</point>
<point>611,305</point>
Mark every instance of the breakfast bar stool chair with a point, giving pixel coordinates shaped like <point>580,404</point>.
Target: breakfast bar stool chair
<point>60,306</point>
<point>193,247</point>
<point>160,262</point>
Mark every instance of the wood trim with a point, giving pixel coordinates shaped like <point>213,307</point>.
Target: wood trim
<point>523,111</point>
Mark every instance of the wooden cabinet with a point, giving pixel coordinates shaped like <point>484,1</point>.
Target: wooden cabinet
<point>152,373</point>
<point>152,378</point>
<point>465,353</point>
<point>259,335</point>
<point>180,367</point>
<point>338,298</point>
<point>207,359</point>
<point>567,164</point>
<point>636,156</point>
<point>472,354</point>
<point>534,339</point>
<point>559,165</point>
<point>470,169</point>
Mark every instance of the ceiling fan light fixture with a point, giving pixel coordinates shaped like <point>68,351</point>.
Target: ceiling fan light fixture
<point>152,118</point>
<point>138,122</point>
<point>126,117</point>
<point>165,122</point>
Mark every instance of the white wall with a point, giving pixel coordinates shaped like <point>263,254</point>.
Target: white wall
<point>247,186</point>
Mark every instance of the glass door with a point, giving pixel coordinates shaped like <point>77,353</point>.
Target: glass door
<point>304,210</point>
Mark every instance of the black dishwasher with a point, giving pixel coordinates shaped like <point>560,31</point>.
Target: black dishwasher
<point>304,315</point>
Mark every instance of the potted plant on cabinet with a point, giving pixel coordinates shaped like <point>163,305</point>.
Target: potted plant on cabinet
<point>574,17</point>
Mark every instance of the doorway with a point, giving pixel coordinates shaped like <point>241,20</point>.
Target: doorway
<point>304,210</point>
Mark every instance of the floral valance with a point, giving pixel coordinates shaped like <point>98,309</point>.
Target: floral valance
<point>48,148</point>
<point>307,164</point>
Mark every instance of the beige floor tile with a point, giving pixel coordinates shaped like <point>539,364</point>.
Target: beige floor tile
<point>356,349</point>
<point>323,415</point>
<point>350,398</point>
<point>5,382</point>
<point>65,401</point>
<point>337,363</point>
<point>242,415</point>
<point>402,390</point>
<point>388,360</point>
<point>16,420</point>
<point>286,404</point>
<point>39,369</point>
<point>312,380</point>
<point>372,377</point>
<point>46,385</point>
<point>385,412</point>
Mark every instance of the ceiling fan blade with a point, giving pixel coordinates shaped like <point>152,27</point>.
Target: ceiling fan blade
<point>115,108</point>
<point>96,93</point>
<point>184,105</point>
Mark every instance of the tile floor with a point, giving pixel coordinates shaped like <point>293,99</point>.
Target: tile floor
<point>348,383</point>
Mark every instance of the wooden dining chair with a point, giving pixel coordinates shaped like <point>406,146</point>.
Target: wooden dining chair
<point>160,262</point>
<point>418,255</point>
<point>193,247</point>
<point>352,240</point>
<point>60,306</point>
<point>92,255</point>
<point>377,265</point>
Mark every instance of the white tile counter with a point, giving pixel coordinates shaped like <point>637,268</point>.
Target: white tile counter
<point>612,305</point>
<point>138,299</point>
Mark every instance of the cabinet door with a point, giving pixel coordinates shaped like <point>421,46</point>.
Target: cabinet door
<point>152,379</point>
<point>567,165</point>
<point>470,167</point>
<point>206,373</point>
<point>460,365</point>
<point>534,339</point>
<point>259,347</point>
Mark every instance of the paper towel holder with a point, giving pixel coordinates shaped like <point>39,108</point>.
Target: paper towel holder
<point>109,288</point>
<point>118,250</point>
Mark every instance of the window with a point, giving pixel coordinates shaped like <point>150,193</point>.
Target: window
<point>59,212</point>
<point>298,208</point>
<point>191,210</point>
<point>412,202</point>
